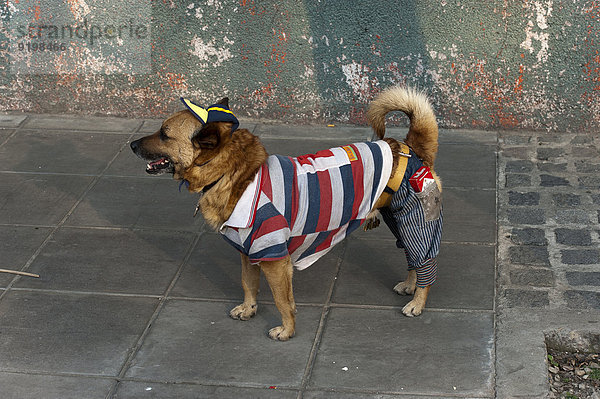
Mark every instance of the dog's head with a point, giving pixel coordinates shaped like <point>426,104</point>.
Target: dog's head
<point>184,138</point>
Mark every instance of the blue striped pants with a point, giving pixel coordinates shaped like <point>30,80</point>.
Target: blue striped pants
<point>417,231</point>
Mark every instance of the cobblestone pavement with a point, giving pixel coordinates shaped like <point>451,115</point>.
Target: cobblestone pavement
<point>549,215</point>
<point>548,241</point>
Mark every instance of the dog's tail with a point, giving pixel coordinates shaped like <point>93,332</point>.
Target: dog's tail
<point>422,134</point>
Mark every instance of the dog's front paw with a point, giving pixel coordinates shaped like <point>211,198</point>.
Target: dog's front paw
<point>371,223</point>
<point>405,288</point>
<point>243,312</point>
<point>413,308</point>
<point>279,333</point>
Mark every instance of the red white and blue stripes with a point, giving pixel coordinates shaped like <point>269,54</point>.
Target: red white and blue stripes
<point>303,206</point>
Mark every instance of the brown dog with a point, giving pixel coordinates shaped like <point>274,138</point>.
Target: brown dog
<point>221,165</point>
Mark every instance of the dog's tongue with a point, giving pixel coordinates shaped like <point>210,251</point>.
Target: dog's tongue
<point>157,165</point>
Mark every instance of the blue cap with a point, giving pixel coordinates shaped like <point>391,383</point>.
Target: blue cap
<point>214,113</point>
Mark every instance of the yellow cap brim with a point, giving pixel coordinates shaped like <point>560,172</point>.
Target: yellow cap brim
<point>198,111</point>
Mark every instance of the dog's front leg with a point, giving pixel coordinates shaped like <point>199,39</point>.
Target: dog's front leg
<point>279,276</point>
<point>372,220</point>
<point>250,284</point>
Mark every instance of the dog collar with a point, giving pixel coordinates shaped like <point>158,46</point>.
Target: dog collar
<point>214,113</point>
<point>187,183</point>
<point>204,191</point>
<point>211,185</point>
<point>396,179</point>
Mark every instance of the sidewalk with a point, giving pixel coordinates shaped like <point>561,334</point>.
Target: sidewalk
<point>134,293</point>
<point>548,253</point>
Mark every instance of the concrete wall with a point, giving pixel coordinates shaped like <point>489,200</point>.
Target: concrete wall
<point>487,64</point>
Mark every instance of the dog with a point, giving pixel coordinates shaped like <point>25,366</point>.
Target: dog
<point>264,207</point>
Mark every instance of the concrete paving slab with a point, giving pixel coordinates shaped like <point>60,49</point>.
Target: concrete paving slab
<point>137,203</point>
<point>521,361</point>
<point>4,135</point>
<point>17,245</point>
<point>128,164</point>
<point>298,146</point>
<point>341,133</point>
<point>87,123</point>
<point>346,394</point>
<point>150,125</point>
<point>435,354</point>
<point>214,271</point>
<point>467,165</point>
<point>469,215</point>
<point>39,199</point>
<point>32,386</point>
<point>361,133</point>
<point>153,390</point>
<point>11,121</point>
<point>67,333</point>
<point>463,283</point>
<point>49,151</point>
<point>198,342</point>
<point>116,261</point>
<point>468,137</point>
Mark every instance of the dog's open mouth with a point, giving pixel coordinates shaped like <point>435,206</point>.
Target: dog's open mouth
<point>159,166</point>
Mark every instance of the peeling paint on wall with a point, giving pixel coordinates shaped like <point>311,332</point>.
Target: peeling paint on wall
<point>209,54</point>
<point>537,31</point>
<point>591,68</point>
<point>533,64</point>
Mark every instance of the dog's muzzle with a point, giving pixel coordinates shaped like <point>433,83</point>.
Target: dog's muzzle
<point>157,164</point>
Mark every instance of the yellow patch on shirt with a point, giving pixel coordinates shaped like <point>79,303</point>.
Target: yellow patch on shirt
<point>350,152</point>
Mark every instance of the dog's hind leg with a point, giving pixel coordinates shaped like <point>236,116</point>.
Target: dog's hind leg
<point>409,287</point>
<point>279,276</point>
<point>250,284</point>
<point>416,306</point>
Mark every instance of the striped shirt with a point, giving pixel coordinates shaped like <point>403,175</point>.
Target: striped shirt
<point>303,206</point>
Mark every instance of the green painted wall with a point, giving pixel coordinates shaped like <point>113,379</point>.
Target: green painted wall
<point>486,64</point>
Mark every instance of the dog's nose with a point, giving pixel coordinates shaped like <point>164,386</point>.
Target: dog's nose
<point>135,145</point>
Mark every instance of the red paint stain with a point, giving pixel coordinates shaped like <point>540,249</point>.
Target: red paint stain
<point>591,68</point>
<point>37,13</point>
<point>251,8</point>
<point>264,91</point>
<point>244,52</point>
<point>519,81</point>
<point>358,115</point>
<point>176,81</point>
<point>272,53</point>
<point>498,93</point>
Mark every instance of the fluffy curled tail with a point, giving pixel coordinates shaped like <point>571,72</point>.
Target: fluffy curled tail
<point>422,134</point>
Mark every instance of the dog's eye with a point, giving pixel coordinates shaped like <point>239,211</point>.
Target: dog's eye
<point>163,136</point>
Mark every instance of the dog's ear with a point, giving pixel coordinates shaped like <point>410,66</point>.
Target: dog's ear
<point>224,101</point>
<point>206,139</point>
